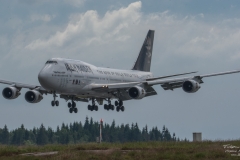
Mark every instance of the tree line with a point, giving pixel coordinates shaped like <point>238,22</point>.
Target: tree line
<point>77,133</point>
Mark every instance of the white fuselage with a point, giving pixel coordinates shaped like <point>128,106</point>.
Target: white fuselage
<point>74,77</point>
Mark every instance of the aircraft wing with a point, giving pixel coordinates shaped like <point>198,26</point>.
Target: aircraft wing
<point>116,87</point>
<point>167,84</point>
<point>22,85</point>
<point>170,84</point>
<point>163,77</point>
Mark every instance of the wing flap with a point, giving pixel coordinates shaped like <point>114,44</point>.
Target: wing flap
<point>113,86</point>
<point>171,86</point>
<point>150,92</point>
<point>75,98</point>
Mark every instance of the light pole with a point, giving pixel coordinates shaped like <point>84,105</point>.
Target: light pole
<point>100,136</point>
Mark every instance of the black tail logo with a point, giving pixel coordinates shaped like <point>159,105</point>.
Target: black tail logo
<point>143,62</point>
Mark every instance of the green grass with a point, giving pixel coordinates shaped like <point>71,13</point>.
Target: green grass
<point>128,151</point>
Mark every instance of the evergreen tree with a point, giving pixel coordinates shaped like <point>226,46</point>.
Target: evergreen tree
<point>167,135</point>
<point>50,134</point>
<point>145,134</point>
<point>77,132</point>
<point>32,137</point>
<point>5,135</point>
<point>86,124</point>
<point>136,133</point>
<point>127,133</point>
<point>112,132</point>
<point>42,137</point>
<point>19,136</point>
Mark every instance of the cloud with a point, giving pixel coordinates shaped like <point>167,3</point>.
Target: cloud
<point>97,28</point>
<point>188,36</point>
<point>191,36</point>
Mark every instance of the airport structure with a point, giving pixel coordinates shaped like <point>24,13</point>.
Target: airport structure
<point>100,136</point>
<point>197,137</point>
<point>99,139</point>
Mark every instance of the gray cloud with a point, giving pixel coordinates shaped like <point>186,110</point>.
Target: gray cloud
<point>90,23</point>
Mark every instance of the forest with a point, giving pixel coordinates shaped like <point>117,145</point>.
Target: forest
<point>79,133</point>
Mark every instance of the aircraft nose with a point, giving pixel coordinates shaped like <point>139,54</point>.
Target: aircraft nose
<point>42,78</point>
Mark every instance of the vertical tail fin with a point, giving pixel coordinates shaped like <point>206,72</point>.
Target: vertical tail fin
<point>143,62</point>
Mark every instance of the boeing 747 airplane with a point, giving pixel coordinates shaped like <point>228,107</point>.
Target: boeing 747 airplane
<point>75,80</point>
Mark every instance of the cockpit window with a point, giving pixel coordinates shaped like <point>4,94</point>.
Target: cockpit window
<point>51,62</point>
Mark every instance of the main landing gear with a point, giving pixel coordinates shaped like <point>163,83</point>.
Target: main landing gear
<point>119,105</point>
<point>72,107</point>
<point>54,102</point>
<point>93,106</point>
<point>109,106</point>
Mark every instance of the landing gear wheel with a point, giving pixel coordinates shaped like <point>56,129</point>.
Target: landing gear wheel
<point>116,103</point>
<point>71,110</point>
<point>69,105</point>
<point>96,108</point>
<point>112,107</point>
<point>92,108</point>
<point>105,106</point>
<point>75,110</point>
<point>53,103</point>
<point>57,103</point>
<point>118,108</point>
<point>108,106</point>
<point>120,103</point>
<point>89,107</point>
<point>122,108</point>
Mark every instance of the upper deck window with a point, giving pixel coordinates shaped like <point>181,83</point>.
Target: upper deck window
<point>51,62</point>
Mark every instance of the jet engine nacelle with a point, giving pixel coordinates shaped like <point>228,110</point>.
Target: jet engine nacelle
<point>190,86</point>
<point>136,92</point>
<point>10,92</point>
<point>33,96</point>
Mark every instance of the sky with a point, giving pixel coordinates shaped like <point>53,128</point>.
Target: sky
<point>190,35</point>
